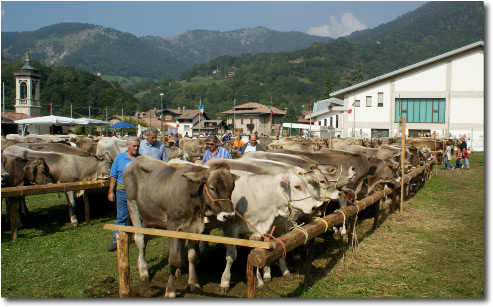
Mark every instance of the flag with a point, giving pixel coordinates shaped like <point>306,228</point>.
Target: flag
<point>351,109</point>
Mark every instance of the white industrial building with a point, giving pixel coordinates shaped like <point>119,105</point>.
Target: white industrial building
<point>443,95</point>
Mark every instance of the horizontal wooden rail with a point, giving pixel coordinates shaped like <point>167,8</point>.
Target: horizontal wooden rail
<point>190,236</point>
<point>53,188</point>
<point>260,258</point>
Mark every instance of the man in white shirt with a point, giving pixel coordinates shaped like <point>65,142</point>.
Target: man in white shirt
<point>252,145</point>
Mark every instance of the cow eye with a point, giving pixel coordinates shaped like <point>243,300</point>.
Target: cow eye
<point>212,189</point>
<point>298,187</point>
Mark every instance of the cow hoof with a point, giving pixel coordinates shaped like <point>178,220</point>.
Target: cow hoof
<point>144,277</point>
<point>74,224</point>
<point>195,289</point>
<point>267,279</point>
<point>287,274</point>
<point>178,273</point>
<point>171,294</point>
<point>262,287</point>
<point>224,290</point>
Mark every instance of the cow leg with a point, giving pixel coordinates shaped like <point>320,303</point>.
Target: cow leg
<point>283,265</point>
<point>260,281</point>
<point>71,207</point>
<point>183,258</point>
<point>174,262</point>
<point>231,254</point>
<point>193,257</point>
<point>23,209</point>
<point>267,274</point>
<point>140,240</point>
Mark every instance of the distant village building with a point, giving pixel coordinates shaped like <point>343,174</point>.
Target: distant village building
<point>443,95</point>
<point>328,113</point>
<point>27,89</point>
<point>188,121</point>
<point>252,116</point>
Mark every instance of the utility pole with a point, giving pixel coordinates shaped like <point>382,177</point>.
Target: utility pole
<point>89,111</point>
<point>51,113</point>
<point>70,111</point>
<point>310,116</point>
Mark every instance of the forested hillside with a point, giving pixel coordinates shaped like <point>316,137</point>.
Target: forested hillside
<point>111,52</point>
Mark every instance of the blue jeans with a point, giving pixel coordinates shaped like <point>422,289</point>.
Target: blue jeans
<point>121,210</point>
<point>447,163</point>
<point>467,162</point>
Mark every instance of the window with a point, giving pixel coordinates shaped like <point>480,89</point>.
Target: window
<point>168,117</point>
<point>241,121</point>
<point>331,121</point>
<point>380,100</point>
<point>320,123</point>
<point>186,128</point>
<point>23,90</point>
<point>356,103</point>
<point>421,110</point>
<point>325,121</point>
<point>379,133</point>
<point>337,121</point>
<point>368,101</point>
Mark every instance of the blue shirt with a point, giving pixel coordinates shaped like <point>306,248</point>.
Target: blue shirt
<point>118,166</point>
<point>226,138</point>
<point>156,151</point>
<point>221,153</point>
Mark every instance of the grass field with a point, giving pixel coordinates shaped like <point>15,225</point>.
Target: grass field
<point>433,249</point>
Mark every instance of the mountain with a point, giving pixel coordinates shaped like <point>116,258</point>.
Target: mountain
<point>111,52</point>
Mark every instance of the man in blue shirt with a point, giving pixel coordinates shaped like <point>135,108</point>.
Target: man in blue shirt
<point>153,148</point>
<point>214,151</point>
<point>116,181</point>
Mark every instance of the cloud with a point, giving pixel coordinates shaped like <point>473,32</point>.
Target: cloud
<point>348,24</point>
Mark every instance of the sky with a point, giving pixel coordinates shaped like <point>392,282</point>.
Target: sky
<point>170,18</point>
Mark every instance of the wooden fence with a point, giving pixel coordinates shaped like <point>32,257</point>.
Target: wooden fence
<point>264,253</point>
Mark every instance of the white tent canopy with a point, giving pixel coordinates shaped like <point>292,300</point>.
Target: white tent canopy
<point>60,120</point>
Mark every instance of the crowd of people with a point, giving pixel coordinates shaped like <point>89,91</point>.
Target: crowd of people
<point>461,154</point>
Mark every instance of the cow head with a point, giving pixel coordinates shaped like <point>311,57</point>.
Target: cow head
<point>218,183</point>
<point>104,165</point>
<point>323,188</point>
<point>5,174</point>
<point>297,192</point>
<point>37,172</point>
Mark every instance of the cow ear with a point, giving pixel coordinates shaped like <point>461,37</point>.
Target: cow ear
<point>108,158</point>
<point>299,170</point>
<point>285,180</point>
<point>235,177</point>
<point>197,177</point>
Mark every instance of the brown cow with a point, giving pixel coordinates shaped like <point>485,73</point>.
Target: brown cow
<point>176,197</point>
<point>63,168</point>
<point>191,149</point>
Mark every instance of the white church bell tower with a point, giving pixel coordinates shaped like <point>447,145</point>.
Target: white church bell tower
<point>27,81</point>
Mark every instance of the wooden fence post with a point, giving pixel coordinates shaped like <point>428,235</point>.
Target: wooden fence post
<point>250,279</point>
<point>86,208</point>
<point>308,263</point>
<point>122,243</point>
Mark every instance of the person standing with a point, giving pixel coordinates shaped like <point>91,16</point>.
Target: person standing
<point>238,144</point>
<point>458,157</point>
<point>152,147</point>
<point>214,150</point>
<point>116,182</point>
<point>465,155</point>
<point>252,145</point>
<point>447,155</point>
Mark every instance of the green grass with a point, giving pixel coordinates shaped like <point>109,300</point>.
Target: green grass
<point>433,249</point>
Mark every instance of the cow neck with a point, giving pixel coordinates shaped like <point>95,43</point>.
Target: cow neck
<point>199,193</point>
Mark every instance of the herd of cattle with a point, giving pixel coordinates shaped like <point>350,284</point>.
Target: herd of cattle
<point>292,181</point>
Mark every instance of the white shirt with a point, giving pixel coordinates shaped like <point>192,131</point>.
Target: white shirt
<point>250,148</point>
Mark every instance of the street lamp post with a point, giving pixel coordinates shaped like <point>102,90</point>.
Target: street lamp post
<point>162,117</point>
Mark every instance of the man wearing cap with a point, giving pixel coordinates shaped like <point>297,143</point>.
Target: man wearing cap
<point>214,150</point>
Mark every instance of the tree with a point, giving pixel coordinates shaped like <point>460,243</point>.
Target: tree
<point>353,76</point>
<point>329,86</point>
<point>291,115</point>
